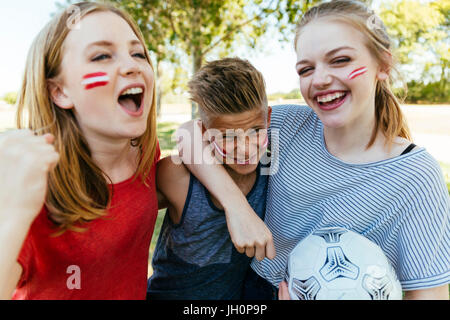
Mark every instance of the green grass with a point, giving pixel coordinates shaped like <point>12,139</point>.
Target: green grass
<point>165,134</point>
<point>158,224</point>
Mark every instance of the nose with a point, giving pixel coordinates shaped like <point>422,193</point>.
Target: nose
<point>244,148</point>
<point>129,66</point>
<point>321,77</point>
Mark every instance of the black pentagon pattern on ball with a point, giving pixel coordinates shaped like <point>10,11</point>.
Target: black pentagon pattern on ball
<point>337,265</point>
<point>306,289</point>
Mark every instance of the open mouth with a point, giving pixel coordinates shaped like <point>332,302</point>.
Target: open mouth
<point>331,99</point>
<point>131,99</point>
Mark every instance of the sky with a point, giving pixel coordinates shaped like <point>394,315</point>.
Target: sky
<point>21,21</point>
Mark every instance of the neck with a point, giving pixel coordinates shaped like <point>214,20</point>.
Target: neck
<point>349,142</point>
<point>116,158</point>
<point>348,139</point>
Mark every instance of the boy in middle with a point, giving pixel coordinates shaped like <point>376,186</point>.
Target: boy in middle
<point>195,258</point>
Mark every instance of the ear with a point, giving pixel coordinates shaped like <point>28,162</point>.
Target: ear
<point>58,94</point>
<point>384,69</point>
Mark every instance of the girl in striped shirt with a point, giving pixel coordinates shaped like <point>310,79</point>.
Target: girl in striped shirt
<point>347,159</point>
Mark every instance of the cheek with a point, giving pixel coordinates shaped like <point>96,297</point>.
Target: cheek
<point>304,86</point>
<point>149,76</point>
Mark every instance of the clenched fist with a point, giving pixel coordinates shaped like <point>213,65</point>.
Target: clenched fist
<point>25,160</point>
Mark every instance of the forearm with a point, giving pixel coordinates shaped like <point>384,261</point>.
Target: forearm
<point>12,236</point>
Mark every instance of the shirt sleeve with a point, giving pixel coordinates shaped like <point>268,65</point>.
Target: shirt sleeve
<point>285,121</point>
<point>424,238</point>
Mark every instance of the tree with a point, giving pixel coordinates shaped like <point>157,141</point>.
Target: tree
<point>197,28</point>
<point>420,33</point>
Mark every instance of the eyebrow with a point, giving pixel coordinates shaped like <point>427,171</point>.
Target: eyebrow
<point>329,53</point>
<point>104,43</point>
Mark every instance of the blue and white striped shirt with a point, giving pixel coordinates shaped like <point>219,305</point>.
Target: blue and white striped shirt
<point>402,203</point>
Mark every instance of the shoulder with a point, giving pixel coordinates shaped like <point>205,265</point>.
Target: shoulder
<point>289,114</point>
<point>422,166</point>
<point>171,169</point>
<point>172,178</point>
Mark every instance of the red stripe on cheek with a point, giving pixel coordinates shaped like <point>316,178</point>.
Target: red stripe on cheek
<point>357,72</point>
<point>96,74</point>
<point>96,84</point>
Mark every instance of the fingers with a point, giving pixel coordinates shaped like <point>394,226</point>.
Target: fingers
<point>283,291</point>
<point>270,249</point>
<point>49,138</point>
<point>250,251</point>
<point>260,253</point>
<point>239,248</point>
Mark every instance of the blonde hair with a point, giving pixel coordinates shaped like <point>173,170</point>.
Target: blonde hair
<point>77,189</point>
<point>227,86</point>
<point>389,118</point>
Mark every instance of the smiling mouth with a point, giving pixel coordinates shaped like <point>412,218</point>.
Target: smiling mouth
<point>131,99</point>
<point>331,99</point>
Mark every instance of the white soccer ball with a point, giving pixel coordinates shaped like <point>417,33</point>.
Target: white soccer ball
<point>339,264</point>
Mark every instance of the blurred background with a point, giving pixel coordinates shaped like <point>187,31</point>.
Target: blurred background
<point>182,35</point>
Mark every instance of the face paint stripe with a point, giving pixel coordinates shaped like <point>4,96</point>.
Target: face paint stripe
<point>222,153</point>
<point>357,72</point>
<point>266,142</point>
<point>95,74</point>
<point>93,80</point>
<point>96,84</point>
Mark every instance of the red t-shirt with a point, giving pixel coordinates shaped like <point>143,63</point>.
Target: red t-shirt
<point>107,261</point>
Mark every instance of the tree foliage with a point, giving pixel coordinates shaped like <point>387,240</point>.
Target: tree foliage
<point>182,34</point>
<point>420,33</point>
<point>185,32</point>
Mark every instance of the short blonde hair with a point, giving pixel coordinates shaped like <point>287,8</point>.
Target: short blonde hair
<point>227,86</point>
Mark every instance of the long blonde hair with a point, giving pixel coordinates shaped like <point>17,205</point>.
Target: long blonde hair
<point>389,118</point>
<point>78,191</point>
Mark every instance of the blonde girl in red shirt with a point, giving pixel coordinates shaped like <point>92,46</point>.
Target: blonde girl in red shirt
<point>78,192</point>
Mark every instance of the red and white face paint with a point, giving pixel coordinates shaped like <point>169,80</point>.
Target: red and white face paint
<point>357,72</point>
<point>93,80</point>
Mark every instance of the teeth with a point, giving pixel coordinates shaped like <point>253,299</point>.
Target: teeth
<point>136,90</point>
<point>330,97</point>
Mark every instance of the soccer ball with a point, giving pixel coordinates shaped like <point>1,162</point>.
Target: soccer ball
<point>339,264</point>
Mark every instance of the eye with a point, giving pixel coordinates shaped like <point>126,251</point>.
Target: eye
<point>139,55</point>
<point>341,60</point>
<point>101,57</point>
<point>304,71</point>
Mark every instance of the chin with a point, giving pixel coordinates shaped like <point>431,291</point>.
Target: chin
<point>243,169</point>
<point>133,131</point>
